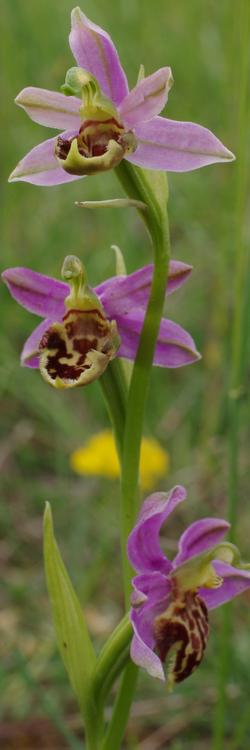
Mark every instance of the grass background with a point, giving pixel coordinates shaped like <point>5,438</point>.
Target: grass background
<point>187,409</point>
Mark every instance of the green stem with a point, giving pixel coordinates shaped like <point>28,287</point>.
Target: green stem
<point>114,388</point>
<point>240,730</point>
<point>112,659</point>
<point>93,728</point>
<point>237,352</point>
<point>115,733</point>
<point>152,191</point>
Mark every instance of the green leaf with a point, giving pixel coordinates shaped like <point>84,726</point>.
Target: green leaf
<point>72,634</point>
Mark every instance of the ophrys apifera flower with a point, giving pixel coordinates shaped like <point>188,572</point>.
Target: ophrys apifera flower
<point>103,122</point>
<point>84,328</point>
<point>171,599</point>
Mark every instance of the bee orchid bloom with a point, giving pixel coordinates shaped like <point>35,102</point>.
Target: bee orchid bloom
<point>84,328</point>
<point>103,122</point>
<point>171,599</point>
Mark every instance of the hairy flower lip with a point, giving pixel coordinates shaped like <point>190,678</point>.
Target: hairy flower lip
<point>78,350</point>
<point>158,587</point>
<point>161,144</point>
<point>181,634</point>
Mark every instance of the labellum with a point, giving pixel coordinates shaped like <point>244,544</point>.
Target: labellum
<point>78,350</point>
<point>181,633</point>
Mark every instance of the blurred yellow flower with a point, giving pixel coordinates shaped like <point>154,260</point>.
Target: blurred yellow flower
<point>99,457</point>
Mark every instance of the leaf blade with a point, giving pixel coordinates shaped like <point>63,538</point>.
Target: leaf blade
<point>71,631</point>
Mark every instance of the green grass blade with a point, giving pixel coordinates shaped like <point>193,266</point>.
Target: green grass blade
<point>71,631</point>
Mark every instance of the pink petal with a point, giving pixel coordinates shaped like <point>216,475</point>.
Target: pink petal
<point>29,356</point>
<point>174,348</point>
<point>235,582</point>
<point>147,99</point>
<point>38,293</point>
<point>154,586</point>
<point>50,108</point>
<point>94,51</point>
<point>141,653</point>
<point>200,536</point>
<point>143,547</point>
<point>176,146</point>
<point>40,166</point>
<point>120,294</point>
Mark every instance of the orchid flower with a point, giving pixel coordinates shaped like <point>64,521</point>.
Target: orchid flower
<point>85,328</point>
<point>103,122</point>
<point>171,600</point>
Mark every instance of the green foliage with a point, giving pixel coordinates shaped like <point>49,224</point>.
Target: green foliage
<point>71,631</point>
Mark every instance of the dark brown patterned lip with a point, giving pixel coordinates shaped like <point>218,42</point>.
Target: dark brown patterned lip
<point>182,633</point>
<point>67,344</point>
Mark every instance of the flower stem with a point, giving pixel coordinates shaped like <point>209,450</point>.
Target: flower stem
<point>115,733</point>
<point>127,416</point>
<point>112,659</point>
<point>152,190</point>
<point>114,388</point>
<point>237,369</point>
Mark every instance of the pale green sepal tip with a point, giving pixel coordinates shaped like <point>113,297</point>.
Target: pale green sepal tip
<point>120,266</point>
<point>120,269</point>
<point>77,14</point>
<point>141,73</point>
<point>13,176</point>
<point>71,631</point>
